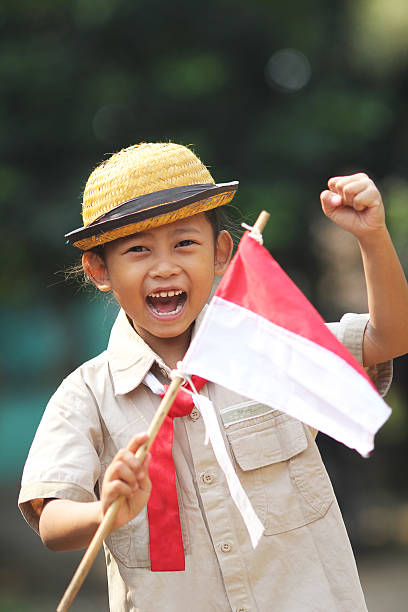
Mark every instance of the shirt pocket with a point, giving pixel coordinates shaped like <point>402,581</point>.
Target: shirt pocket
<point>281,472</point>
<point>130,544</point>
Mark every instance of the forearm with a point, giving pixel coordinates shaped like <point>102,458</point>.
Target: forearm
<point>387,291</point>
<point>69,525</point>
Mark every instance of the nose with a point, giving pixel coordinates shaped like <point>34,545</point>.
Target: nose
<point>164,267</point>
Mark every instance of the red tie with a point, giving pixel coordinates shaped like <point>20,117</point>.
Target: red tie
<point>166,542</point>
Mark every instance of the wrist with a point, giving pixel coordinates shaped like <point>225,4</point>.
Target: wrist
<point>374,238</point>
<point>99,513</point>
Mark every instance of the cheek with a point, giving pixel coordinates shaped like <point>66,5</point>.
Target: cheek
<point>126,286</point>
<point>203,279</point>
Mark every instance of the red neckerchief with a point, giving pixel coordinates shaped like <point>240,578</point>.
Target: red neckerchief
<point>166,542</point>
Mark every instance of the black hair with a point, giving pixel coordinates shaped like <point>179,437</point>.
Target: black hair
<point>214,217</point>
<point>221,220</point>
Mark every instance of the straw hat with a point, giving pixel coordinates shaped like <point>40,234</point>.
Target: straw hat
<point>142,187</point>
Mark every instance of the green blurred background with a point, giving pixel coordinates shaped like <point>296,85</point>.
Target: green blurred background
<point>278,95</point>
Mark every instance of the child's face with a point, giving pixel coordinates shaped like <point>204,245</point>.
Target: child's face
<point>163,277</point>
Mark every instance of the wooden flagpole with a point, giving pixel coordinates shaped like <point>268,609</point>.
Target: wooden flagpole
<point>106,525</point>
<point>261,221</point>
<point>109,518</point>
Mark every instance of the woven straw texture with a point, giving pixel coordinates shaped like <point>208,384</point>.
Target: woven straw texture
<point>140,170</point>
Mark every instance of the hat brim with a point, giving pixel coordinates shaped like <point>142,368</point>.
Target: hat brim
<point>151,210</point>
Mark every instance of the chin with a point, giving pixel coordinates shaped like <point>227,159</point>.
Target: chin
<point>170,331</point>
<point>171,334</point>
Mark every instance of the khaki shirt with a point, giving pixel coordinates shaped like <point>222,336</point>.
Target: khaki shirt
<point>304,560</point>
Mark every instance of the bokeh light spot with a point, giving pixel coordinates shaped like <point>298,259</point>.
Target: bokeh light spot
<point>288,70</point>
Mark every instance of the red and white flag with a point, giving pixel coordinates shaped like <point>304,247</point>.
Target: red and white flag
<point>262,338</point>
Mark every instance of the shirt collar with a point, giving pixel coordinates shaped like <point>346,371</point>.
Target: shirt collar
<point>130,358</point>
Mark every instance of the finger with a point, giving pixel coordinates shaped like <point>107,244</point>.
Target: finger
<point>145,487</point>
<point>330,199</point>
<point>369,198</point>
<point>137,441</point>
<point>120,470</point>
<point>359,202</point>
<point>131,470</point>
<point>351,190</point>
<point>125,456</point>
<point>350,186</point>
<point>143,474</point>
<point>360,195</point>
<point>112,490</point>
<point>337,182</point>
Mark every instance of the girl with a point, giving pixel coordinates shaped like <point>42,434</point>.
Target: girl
<point>151,237</point>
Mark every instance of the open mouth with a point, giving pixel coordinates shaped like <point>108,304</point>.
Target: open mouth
<point>166,303</point>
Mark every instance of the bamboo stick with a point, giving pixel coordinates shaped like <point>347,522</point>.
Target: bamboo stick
<point>261,221</point>
<point>109,518</point>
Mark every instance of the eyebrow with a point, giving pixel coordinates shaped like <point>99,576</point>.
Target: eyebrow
<point>186,230</point>
<point>179,230</point>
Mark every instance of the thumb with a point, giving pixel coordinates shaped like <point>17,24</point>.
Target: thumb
<point>330,200</point>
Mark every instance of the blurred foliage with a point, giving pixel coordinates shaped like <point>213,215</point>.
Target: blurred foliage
<point>280,96</point>
<point>378,35</point>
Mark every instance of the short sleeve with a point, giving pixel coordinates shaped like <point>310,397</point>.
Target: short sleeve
<point>63,461</point>
<point>350,331</point>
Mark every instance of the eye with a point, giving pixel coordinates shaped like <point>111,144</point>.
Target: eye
<point>185,243</point>
<point>137,248</point>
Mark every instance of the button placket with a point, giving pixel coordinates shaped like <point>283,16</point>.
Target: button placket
<point>212,489</point>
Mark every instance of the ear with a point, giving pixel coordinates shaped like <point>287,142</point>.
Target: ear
<point>223,252</point>
<point>95,268</point>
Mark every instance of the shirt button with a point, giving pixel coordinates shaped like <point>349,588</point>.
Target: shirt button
<point>207,478</point>
<point>225,547</point>
<point>194,414</point>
